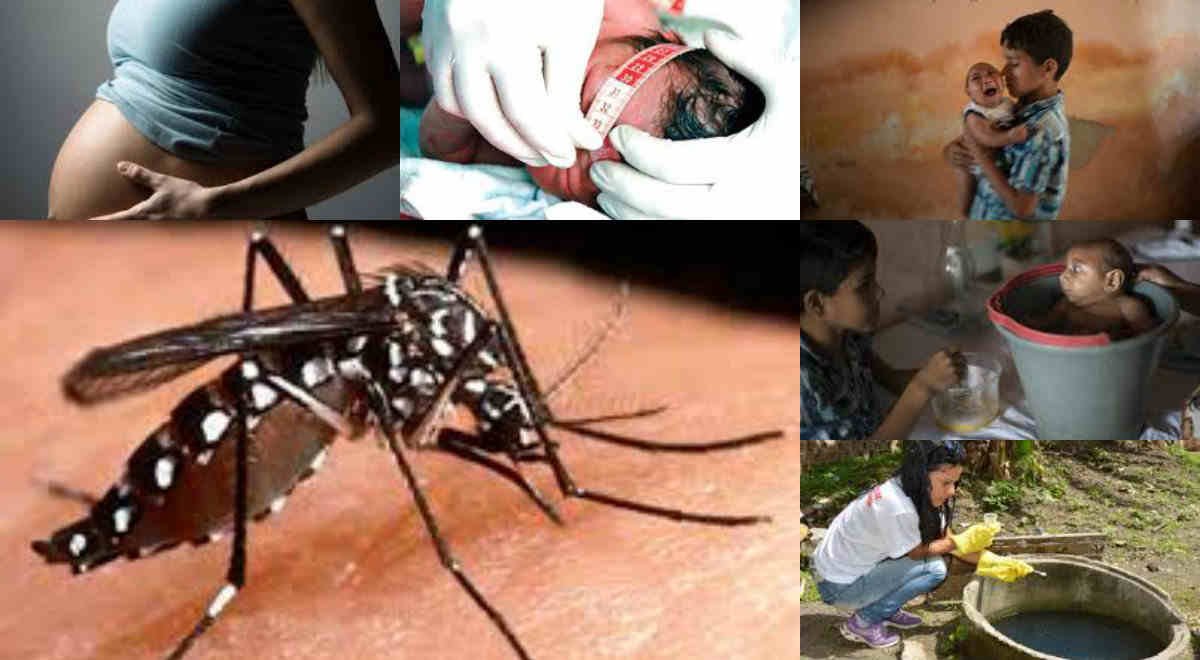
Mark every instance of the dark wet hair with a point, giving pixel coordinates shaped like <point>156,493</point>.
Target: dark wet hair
<point>1044,36</point>
<point>1113,256</point>
<point>828,249</point>
<point>920,458</point>
<point>714,102</point>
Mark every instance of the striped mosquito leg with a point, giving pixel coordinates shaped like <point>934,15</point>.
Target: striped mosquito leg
<point>260,245</point>
<point>235,577</point>
<point>341,249</point>
<point>383,412</point>
<point>462,253</point>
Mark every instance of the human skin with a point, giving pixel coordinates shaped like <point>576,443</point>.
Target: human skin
<point>449,138</point>
<point>1094,300</point>
<point>85,181</point>
<point>346,569</point>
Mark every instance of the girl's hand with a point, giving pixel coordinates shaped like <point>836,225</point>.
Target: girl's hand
<point>170,197</point>
<point>1160,276</point>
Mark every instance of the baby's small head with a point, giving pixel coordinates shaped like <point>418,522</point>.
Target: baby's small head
<point>985,85</point>
<point>694,96</point>
<point>1096,270</point>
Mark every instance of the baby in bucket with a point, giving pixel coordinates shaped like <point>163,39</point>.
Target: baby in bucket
<point>1097,296</point>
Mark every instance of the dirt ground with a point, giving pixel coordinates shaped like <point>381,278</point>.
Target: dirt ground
<point>1147,499</point>
<point>347,569</point>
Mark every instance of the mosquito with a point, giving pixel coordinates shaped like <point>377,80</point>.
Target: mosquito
<point>396,356</point>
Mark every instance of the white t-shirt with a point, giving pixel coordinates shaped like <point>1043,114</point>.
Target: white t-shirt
<point>1001,114</point>
<point>881,524</point>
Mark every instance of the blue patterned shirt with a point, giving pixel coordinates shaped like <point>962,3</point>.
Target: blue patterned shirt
<point>838,401</point>
<point>1037,165</point>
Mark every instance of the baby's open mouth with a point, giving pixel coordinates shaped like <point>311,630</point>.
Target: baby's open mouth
<point>991,91</point>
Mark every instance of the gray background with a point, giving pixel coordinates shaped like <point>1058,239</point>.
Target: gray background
<point>53,56</point>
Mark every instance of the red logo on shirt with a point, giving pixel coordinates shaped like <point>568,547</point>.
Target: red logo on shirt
<point>875,495</point>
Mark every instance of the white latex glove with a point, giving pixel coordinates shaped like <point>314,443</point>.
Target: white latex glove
<point>753,174</point>
<point>487,58</point>
<point>573,211</point>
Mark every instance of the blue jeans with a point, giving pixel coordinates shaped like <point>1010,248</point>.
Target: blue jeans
<point>886,588</point>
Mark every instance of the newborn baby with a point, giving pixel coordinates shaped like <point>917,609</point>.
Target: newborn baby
<point>987,118</point>
<point>1096,294</point>
<point>694,96</point>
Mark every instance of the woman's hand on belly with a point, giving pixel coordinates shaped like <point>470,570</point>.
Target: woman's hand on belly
<point>170,196</point>
<point>85,182</point>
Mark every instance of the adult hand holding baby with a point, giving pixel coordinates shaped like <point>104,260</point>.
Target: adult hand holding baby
<point>751,174</point>
<point>515,70</point>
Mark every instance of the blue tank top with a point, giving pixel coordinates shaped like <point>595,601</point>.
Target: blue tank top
<point>212,80</point>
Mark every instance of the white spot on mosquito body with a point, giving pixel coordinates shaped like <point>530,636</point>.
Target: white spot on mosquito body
<point>257,236</point>
<point>469,328</point>
<point>213,537</point>
<point>264,396</point>
<point>403,406</point>
<point>435,322</point>
<point>487,358</point>
<point>316,371</point>
<point>395,353</point>
<point>204,457</point>
<point>77,544</point>
<point>442,347</point>
<point>337,231</point>
<point>164,472</point>
<point>250,370</point>
<point>214,424</point>
<point>475,386</point>
<point>420,378</point>
<point>398,374</point>
<point>121,519</point>
<point>392,290</point>
<point>223,597</point>
<point>277,504</point>
<point>474,232</point>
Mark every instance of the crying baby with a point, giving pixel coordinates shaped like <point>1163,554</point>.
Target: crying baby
<point>1097,297</point>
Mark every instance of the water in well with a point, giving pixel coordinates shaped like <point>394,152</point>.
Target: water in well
<point>1079,635</point>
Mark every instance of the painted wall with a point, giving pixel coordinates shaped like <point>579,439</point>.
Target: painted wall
<point>53,57</point>
<point>882,93</point>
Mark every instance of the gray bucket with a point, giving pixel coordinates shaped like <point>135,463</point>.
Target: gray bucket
<point>1080,392</point>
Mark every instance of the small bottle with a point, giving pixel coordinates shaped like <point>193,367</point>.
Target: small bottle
<point>991,519</point>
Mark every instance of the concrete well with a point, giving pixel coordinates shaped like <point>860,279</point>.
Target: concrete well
<point>1073,584</point>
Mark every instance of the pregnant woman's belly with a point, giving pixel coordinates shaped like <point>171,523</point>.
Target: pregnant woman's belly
<point>85,182</point>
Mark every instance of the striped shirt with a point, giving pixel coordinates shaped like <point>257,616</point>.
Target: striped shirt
<point>1038,165</point>
<point>838,401</point>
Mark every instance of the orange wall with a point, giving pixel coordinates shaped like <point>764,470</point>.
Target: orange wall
<point>882,92</point>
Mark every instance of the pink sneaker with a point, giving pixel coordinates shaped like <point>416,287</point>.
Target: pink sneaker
<point>876,636</point>
<point>903,620</point>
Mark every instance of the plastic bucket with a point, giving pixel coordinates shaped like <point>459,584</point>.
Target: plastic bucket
<point>1079,387</point>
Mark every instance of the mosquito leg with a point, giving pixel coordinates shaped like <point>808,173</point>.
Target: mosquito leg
<point>260,245</point>
<point>462,252</point>
<point>341,249</point>
<point>593,346</point>
<point>649,445</point>
<point>235,577</point>
<point>584,421</point>
<point>66,492</point>
<point>458,443</point>
<point>383,412</point>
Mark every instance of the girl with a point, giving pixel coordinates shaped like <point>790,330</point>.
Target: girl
<point>887,546</point>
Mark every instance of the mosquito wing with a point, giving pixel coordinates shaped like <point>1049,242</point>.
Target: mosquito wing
<point>147,362</point>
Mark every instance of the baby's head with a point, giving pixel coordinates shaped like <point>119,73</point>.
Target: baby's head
<point>1096,270</point>
<point>985,85</point>
<point>836,269</point>
<point>694,96</point>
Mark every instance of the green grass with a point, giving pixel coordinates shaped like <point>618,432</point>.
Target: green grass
<point>844,479</point>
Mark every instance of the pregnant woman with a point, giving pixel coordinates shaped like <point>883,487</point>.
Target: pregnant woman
<point>204,115</point>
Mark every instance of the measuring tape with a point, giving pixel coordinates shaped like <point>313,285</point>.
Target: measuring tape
<point>620,87</point>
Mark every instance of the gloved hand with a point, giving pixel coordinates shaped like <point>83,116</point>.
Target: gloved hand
<point>975,538</point>
<point>1006,569</point>
<point>752,174</point>
<point>487,58</point>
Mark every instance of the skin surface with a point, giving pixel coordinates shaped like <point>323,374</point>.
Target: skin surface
<point>85,182</point>
<point>854,306</point>
<point>347,569</point>
<point>452,139</point>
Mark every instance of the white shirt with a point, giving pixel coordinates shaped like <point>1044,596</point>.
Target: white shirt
<point>1001,114</point>
<point>881,524</point>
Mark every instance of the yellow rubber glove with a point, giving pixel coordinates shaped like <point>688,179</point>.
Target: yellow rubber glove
<point>975,538</point>
<point>1005,569</point>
